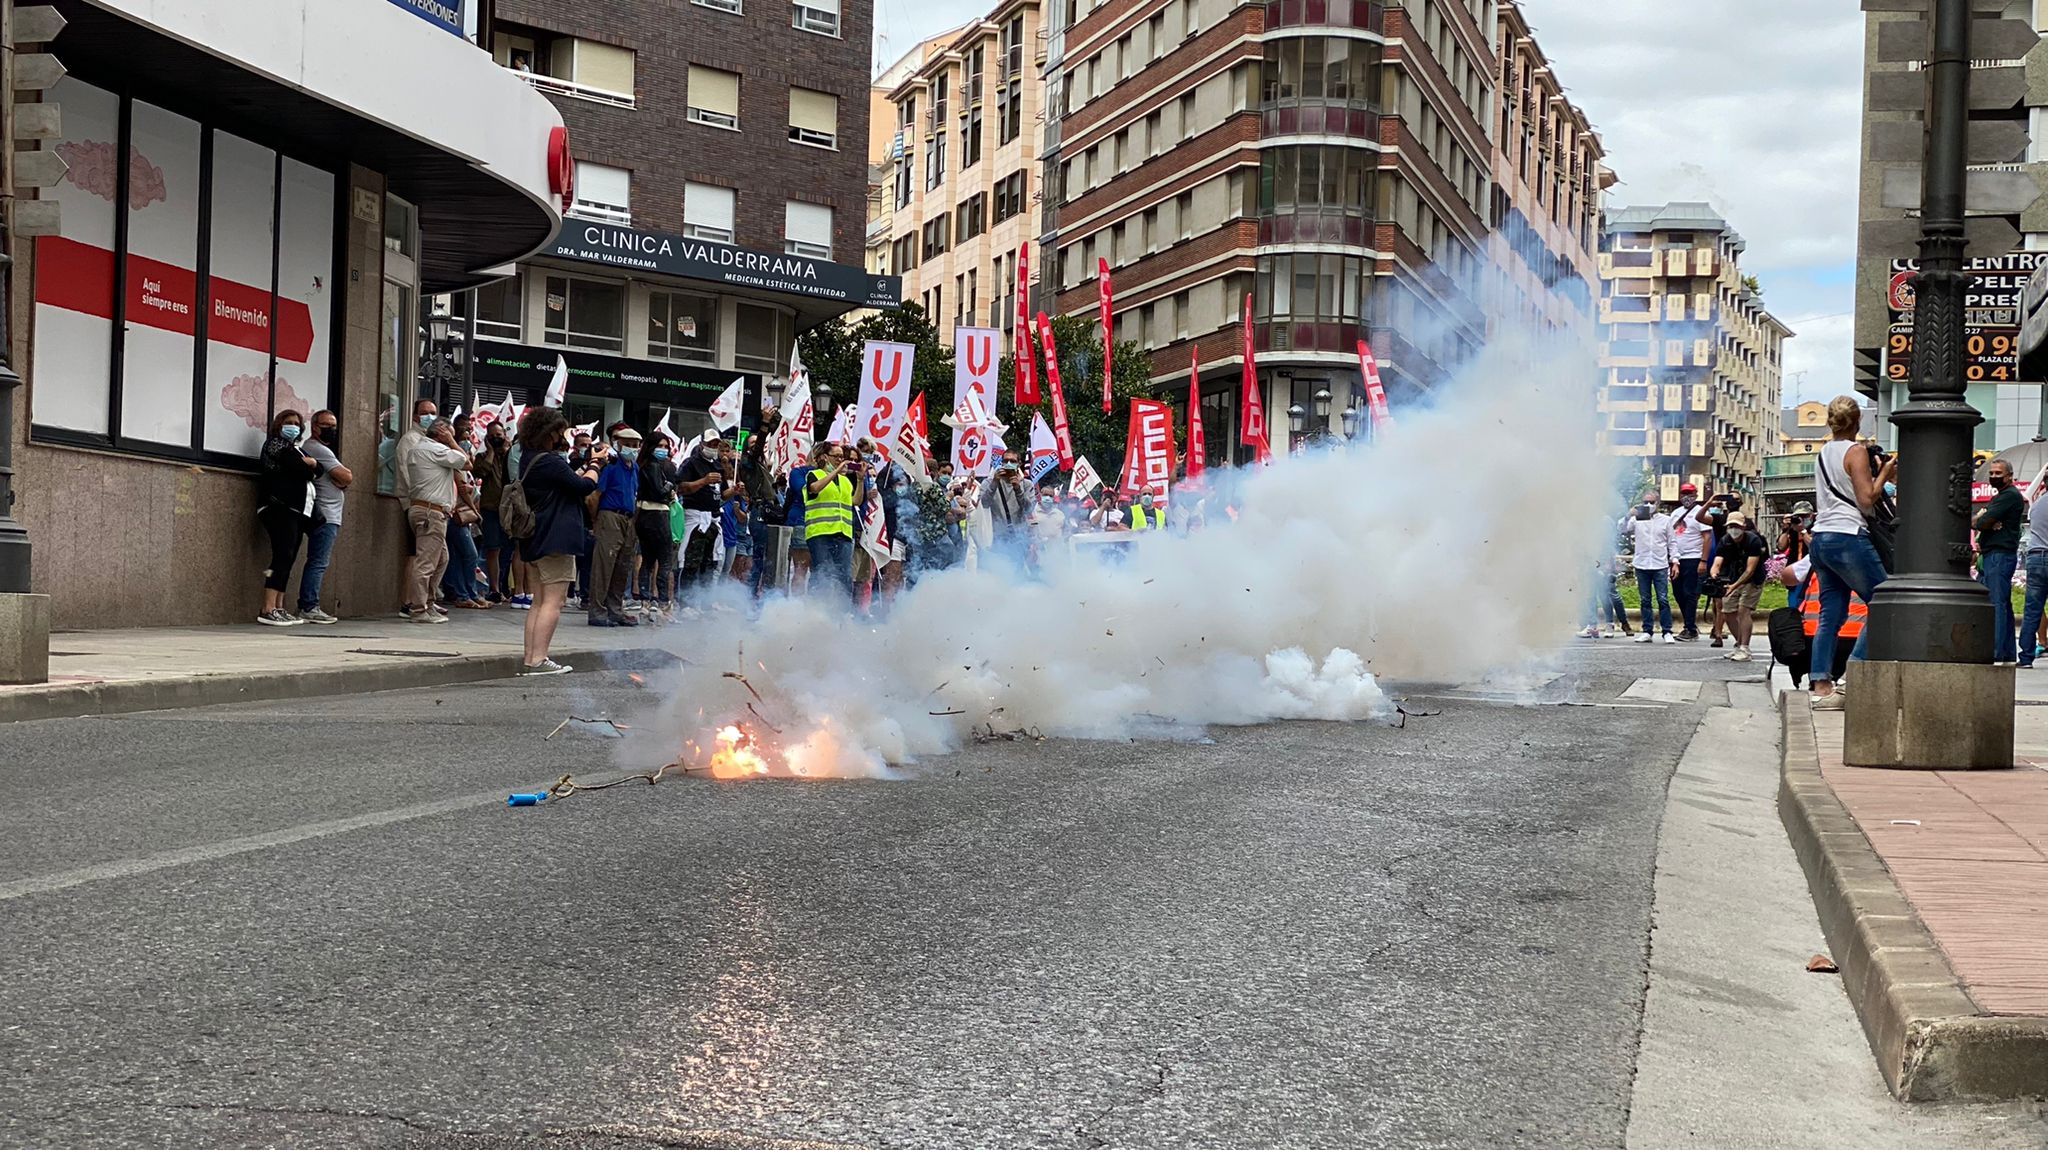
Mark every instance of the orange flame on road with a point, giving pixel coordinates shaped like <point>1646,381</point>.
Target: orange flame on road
<point>735,757</point>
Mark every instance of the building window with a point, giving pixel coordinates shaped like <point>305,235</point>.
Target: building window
<point>184,365</point>
<point>904,183</point>
<point>1313,70</point>
<point>586,313</point>
<point>1010,111</point>
<point>499,308</point>
<point>971,218</point>
<point>903,253</point>
<point>761,337</point>
<point>682,325</point>
<point>935,161</point>
<point>603,193</point>
<point>970,137</point>
<point>937,236</point>
<point>708,212</point>
<point>713,98</point>
<point>813,118</point>
<point>732,6</point>
<point>807,230</point>
<point>1009,196</point>
<point>567,66</point>
<point>818,16</point>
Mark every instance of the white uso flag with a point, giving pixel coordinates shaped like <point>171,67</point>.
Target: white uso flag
<point>1085,479</point>
<point>558,384</point>
<point>725,413</point>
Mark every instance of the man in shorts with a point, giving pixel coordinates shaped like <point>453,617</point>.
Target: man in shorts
<point>1740,561</point>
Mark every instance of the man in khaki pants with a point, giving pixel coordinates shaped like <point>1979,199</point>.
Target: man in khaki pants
<point>431,464</point>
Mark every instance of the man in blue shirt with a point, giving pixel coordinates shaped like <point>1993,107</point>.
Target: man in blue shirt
<point>611,566</point>
<point>793,518</point>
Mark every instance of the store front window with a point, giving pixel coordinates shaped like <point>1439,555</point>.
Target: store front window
<point>763,338</point>
<point>399,343</point>
<point>190,293</point>
<point>682,326</point>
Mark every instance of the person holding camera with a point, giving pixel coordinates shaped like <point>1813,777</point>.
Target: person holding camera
<point>831,493</point>
<point>1739,569</point>
<point>1688,537</point>
<point>1848,488</point>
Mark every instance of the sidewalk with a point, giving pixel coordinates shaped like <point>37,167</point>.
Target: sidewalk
<point>146,669</point>
<point>1933,889</point>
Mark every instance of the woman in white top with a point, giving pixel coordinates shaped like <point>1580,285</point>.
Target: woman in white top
<point>1846,489</point>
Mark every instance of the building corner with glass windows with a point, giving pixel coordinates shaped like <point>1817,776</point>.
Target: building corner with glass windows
<point>719,204</point>
<point>254,197</point>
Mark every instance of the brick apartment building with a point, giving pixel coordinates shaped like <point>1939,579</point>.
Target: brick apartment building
<point>1546,204</point>
<point>958,175</point>
<point>1329,158</point>
<point>720,199</point>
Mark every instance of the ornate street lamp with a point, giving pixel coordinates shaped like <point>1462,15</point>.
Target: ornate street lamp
<point>821,402</point>
<point>1322,401</point>
<point>1351,422</point>
<point>1297,419</point>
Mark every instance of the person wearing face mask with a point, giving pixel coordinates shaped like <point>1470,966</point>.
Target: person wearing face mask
<point>424,413</point>
<point>611,561</point>
<point>491,468</point>
<point>433,463</point>
<point>1144,517</point>
<point>830,495</point>
<point>2036,558</point>
<point>286,485</point>
<point>329,483</point>
<point>1998,542</point>
<point>651,522</point>
<point>1009,504</point>
<point>558,495</point>
<point>1740,562</point>
<point>1689,532</point>
<point>701,484</point>
<point>458,584</point>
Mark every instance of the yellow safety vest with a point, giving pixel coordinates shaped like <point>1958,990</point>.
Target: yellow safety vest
<point>1140,522</point>
<point>830,511</point>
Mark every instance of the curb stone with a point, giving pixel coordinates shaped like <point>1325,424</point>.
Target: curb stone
<point>1931,1041</point>
<point>129,696</point>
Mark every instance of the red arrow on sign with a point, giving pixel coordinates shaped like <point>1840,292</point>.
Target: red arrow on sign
<point>80,277</point>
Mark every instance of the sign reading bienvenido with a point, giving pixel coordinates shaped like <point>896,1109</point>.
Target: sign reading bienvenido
<point>675,255</point>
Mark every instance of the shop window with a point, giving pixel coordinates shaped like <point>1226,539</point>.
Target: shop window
<point>817,16</point>
<point>603,193</point>
<point>172,347</point>
<point>585,313</point>
<point>682,325</point>
<point>708,212</point>
<point>713,98</point>
<point>807,230</point>
<point>761,338</point>
<point>813,118</point>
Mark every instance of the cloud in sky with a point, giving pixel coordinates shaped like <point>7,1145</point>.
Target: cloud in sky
<point>1751,105</point>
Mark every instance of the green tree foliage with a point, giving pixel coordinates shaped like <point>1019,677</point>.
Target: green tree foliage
<point>832,353</point>
<point>1098,437</point>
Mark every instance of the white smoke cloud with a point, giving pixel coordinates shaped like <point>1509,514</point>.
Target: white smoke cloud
<point>1455,548</point>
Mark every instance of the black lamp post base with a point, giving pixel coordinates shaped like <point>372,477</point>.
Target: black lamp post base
<point>1931,619</point>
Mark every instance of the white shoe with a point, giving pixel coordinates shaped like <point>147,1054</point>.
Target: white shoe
<point>1645,637</point>
<point>1739,655</point>
<point>316,615</point>
<point>1670,638</point>
<point>429,617</point>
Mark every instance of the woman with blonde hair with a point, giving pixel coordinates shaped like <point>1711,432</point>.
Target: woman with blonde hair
<point>1847,487</point>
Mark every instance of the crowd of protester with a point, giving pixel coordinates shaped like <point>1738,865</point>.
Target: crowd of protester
<point>551,519</point>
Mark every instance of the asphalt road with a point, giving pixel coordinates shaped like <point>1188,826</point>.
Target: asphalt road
<point>315,924</point>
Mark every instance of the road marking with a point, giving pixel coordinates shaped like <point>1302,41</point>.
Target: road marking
<point>1664,690</point>
<point>128,868</point>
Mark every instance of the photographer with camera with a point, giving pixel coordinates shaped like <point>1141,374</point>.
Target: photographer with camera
<point>1849,490</point>
<point>1689,530</point>
<point>1739,570</point>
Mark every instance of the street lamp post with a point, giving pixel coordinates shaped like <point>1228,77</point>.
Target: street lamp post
<point>1351,423</point>
<point>1930,611</point>
<point>1929,697</point>
<point>14,546</point>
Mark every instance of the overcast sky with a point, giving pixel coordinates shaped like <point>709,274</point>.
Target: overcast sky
<point>1751,105</point>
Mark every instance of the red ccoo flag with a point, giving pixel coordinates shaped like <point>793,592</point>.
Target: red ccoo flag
<point>1023,341</point>
<point>1108,327</point>
<point>1061,431</point>
<point>1198,443</point>
<point>1253,411</point>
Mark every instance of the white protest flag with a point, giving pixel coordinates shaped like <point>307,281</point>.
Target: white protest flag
<point>798,373</point>
<point>589,429</point>
<point>792,440</point>
<point>558,384</point>
<point>726,411</point>
<point>874,535</point>
<point>884,391</point>
<point>842,427</point>
<point>975,357</point>
<point>665,434</point>
<point>1045,449</point>
<point>484,417</point>
<point>1085,480</point>
<point>518,413</point>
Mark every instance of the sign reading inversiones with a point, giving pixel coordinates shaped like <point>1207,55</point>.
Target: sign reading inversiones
<point>443,14</point>
<point>1991,316</point>
<point>670,254</point>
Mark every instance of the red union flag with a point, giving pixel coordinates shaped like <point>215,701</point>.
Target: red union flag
<point>1252,415</point>
<point>974,373</point>
<point>1198,443</point>
<point>1375,392</point>
<point>1108,328</point>
<point>1023,344</point>
<point>1148,457</point>
<point>1060,429</point>
<point>884,391</point>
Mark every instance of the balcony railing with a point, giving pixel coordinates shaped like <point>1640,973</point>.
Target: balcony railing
<point>1365,14</point>
<point>573,90</point>
<point>1789,466</point>
<point>583,209</point>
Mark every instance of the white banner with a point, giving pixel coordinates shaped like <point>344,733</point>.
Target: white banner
<point>558,384</point>
<point>792,441</point>
<point>726,411</point>
<point>1045,449</point>
<point>884,391</point>
<point>1085,480</point>
<point>976,353</point>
